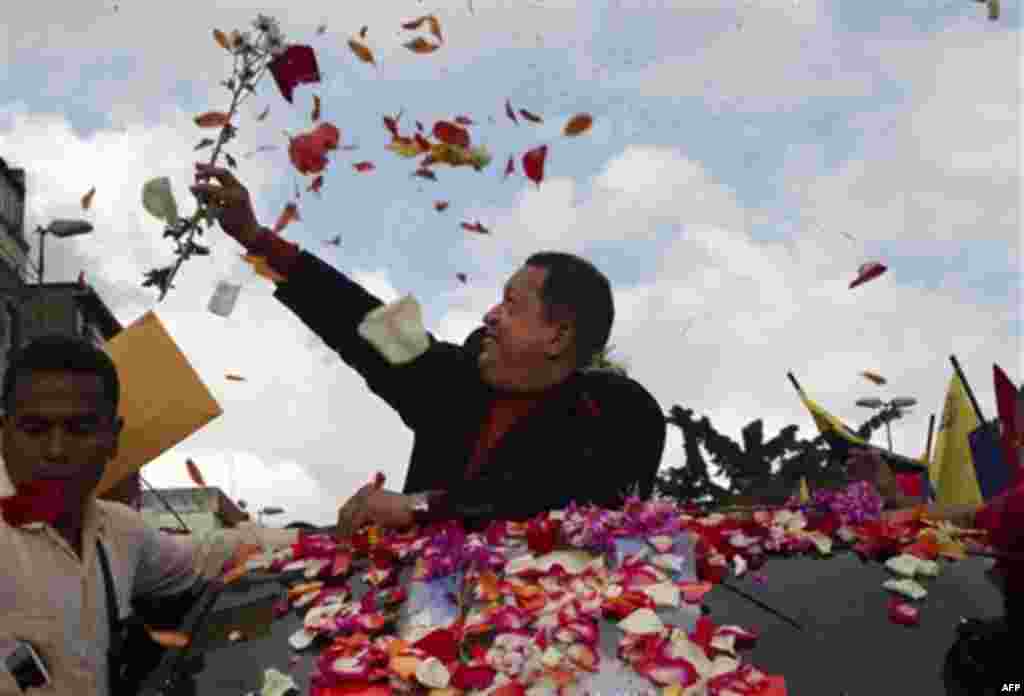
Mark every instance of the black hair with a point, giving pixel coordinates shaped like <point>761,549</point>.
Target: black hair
<point>575,290</point>
<point>61,352</point>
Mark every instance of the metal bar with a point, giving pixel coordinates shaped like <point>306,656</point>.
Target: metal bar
<point>166,504</point>
<point>771,610</point>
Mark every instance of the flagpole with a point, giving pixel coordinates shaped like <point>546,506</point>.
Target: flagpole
<point>796,384</point>
<point>928,442</point>
<point>967,388</point>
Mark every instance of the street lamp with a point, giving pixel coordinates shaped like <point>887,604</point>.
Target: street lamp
<point>61,229</point>
<point>269,510</point>
<point>874,403</point>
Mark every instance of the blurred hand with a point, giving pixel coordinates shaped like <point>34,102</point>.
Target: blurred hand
<point>229,201</point>
<point>372,505</point>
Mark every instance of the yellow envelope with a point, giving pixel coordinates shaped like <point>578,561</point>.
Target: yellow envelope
<point>163,400</point>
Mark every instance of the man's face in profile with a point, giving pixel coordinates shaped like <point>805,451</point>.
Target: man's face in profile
<point>519,338</point>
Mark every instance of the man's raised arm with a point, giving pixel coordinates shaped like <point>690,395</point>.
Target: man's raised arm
<point>336,309</point>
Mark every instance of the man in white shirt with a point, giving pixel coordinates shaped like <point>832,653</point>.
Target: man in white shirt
<point>60,430</point>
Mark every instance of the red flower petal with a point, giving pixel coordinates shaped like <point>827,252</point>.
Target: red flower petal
<point>867,271</point>
<point>467,677</point>
<point>903,613</point>
<point>307,154</point>
<point>36,501</point>
<point>296,66</point>
<point>440,644</point>
<point>510,168</point>
<point>451,134</point>
<point>327,136</point>
<point>363,166</point>
<point>533,164</point>
<point>510,113</point>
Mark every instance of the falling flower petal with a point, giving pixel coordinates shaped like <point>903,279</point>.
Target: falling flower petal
<point>451,134</point>
<point>903,613</point>
<point>87,198</point>
<point>475,227</point>
<point>290,213</point>
<point>234,378</point>
<point>421,46</point>
<point>441,206</point>
<point>529,116</point>
<point>361,51</point>
<point>578,124</point>
<point>510,167</point>
<point>212,119</point>
<point>317,184</point>
<point>425,173</point>
<point>222,39</point>
<point>867,272</point>
<point>315,116</point>
<point>462,278</point>
<point>533,164</point>
<point>510,113</point>
<point>464,120</point>
<point>305,155</point>
<point>326,136</point>
<point>874,377</point>
<point>194,473</point>
<point>363,166</point>
<point>297,66</point>
<point>158,200</point>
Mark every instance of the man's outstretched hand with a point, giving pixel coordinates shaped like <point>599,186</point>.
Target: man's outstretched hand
<point>373,505</point>
<point>230,202</point>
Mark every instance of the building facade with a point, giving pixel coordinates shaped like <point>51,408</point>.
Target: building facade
<point>29,309</point>
<point>204,510</point>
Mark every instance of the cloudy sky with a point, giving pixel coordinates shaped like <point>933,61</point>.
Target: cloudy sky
<point>746,157</point>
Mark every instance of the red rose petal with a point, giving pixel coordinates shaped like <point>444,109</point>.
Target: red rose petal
<point>467,677</point>
<point>903,613</point>
<point>533,164</point>
<point>296,66</point>
<point>441,644</point>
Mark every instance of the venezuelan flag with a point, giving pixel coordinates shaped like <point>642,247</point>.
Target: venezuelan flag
<point>951,470</point>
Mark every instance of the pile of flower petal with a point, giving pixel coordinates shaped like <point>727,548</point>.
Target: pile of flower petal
<point>528,598</point>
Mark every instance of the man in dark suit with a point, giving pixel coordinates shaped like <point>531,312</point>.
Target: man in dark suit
<point>507,425</point>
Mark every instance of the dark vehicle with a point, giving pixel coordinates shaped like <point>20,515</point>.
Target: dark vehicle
<point>823,625</point>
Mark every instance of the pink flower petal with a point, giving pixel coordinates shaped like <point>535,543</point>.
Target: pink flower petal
<point>903,613</point>
<point>668,671</point>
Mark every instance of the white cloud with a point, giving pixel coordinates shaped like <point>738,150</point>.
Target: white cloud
<point>708,317</point>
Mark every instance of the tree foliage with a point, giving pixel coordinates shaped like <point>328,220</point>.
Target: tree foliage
<point>759,470</point>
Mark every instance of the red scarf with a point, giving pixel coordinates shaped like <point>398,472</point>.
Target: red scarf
<point>34,501</point>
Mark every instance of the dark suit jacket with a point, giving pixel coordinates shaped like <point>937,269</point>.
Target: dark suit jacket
<point>596,436</point>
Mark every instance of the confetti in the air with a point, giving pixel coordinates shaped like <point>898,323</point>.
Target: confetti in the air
<point>87,198</point>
